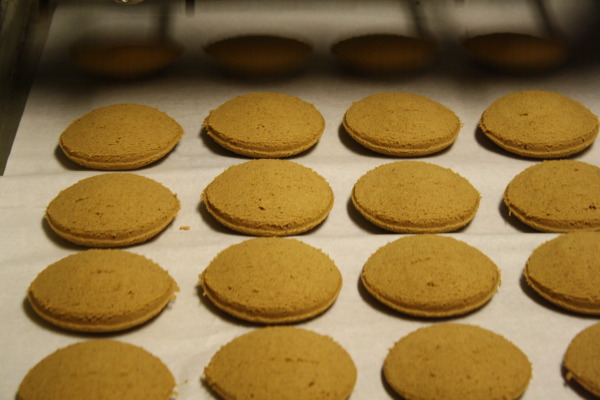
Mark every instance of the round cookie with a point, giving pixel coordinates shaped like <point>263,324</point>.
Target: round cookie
<point>384,53</point>
<point>259,56</point>
<point>430,276</point>
<point>582,359</point>
<point>98,369</point>
<point>272,281</point>
<point>566,271</point>
<point>269,198</point>
<point>556,196</point>
<point>517,52</point>
<point>415,197</point>
<point>401,124</point>
<point>284,363</point>
<point>120,137</point>
<point>265,125</point>
<point>539,124</point>
<point>101,291</point>
<point>456,361</point>
<point>112,210</point>
<point>124,58</point>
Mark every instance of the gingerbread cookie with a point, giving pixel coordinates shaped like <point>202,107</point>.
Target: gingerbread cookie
<point>98,369</point>
<point>556,196</point>
<point>101,291</point>
<point>284,363</point>
<point>539,124</point>
<point>124,58</point>
<point>259,56</point>
<point>430,276</point>
<point>269,198</point>
<point>272,280</point>
<point>566,271</point>
<point>112,210</point>
<point>517,52</point>
<point>120,137</point>
<point>415,197</point>
<point>384,53</point>
<point>265,125</point>
<point>582,359</point>
<point>401,124</point>
<point>456,361</point>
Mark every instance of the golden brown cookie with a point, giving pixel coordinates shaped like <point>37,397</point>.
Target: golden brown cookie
<point>401,124</point>
<point>120,137</point>
<point>259,56</point>
<point>269,198</point>
<point>430,276</point>
<point>272,280</point>
<point>112,210</point>
<point>101,291</point>
<point>284,363</point>
<point>582,359</point>
<point>98,369</point>
<point>415,197</point>
<point>384,53</point>
<point>566,271</point>
<point>517,52</point>
<point>265,125</point>
<point>124,58</point>
<point>539,124</point>
<point>456,361</point>
<point>556,196</point>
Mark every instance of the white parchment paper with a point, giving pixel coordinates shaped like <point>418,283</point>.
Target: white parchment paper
<point>190,330</point>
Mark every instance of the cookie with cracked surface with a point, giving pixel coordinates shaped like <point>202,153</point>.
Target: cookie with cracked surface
<point>582,359</point>
<point>265,125</point>
<point>285,363</point>
<point>101,290</point>
<point>120,137</point>
<point>269,197</point>
<point>539,124</point>
<point>452,361</point>
<point>98,369</point>
<point>566,271</point>
<point>556,196</point>
<point>430,276</point>
<point>415,197</point>
<point>272,280</point>
<point>401,124</point>
<point>112,210</point>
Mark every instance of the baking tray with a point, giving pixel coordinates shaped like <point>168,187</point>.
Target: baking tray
<point>190,330</point>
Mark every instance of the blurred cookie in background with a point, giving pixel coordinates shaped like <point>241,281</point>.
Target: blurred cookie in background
<point>124,57</point>
<point>384,53</point>
<point>516,52</point>
<point>259,55</point>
